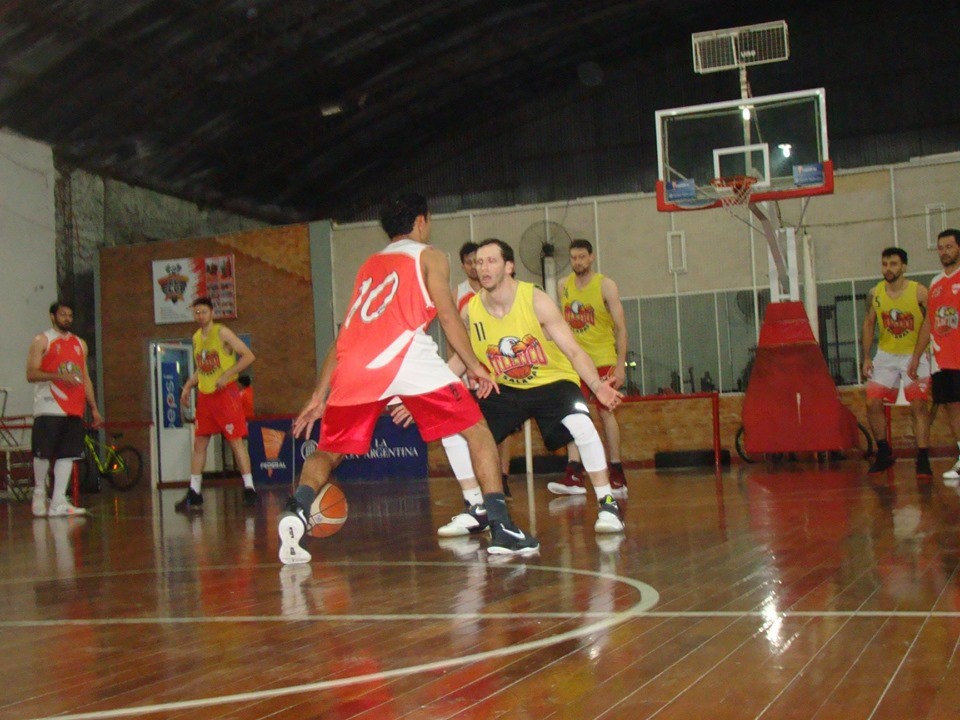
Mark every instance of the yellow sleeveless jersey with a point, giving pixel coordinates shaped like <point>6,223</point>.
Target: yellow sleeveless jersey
<point>899,318</point>
<point>515,348</point>
<point>212,358</point>
<point>589,319</point>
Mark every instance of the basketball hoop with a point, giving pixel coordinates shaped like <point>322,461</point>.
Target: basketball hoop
<point>734,190</point>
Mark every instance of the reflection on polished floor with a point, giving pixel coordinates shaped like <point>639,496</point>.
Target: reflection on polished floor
<point>797,591</point>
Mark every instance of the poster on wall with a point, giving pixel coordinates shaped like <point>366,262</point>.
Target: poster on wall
<point>177,282</point>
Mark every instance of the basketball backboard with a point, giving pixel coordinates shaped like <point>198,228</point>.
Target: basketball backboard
<point>781,140</point>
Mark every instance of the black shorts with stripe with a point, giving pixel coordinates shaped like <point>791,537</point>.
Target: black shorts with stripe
<point>547,404</point>
<point>57,437</point>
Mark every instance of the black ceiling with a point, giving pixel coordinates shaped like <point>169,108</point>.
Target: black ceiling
<point>292,110</point>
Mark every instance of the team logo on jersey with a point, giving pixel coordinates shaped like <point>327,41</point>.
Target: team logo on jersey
<point>517,359</point>
<point>173,285</point>
<point>208,361</point>
<point>945,320</point>
<point>897,322</point>
<point>579,317</point>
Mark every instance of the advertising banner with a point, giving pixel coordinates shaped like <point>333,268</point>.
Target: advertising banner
<point>170,378</point>
<point>177,282</point>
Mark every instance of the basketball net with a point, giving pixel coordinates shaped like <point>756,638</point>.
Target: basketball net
<point>734,191</point>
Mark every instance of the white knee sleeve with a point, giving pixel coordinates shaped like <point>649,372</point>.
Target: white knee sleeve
<point>587,440</point>
<point>458,455</point>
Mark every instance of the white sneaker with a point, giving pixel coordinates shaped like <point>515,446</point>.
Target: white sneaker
<point>953,473</point>
<point>471,521</point>
<point>291,529</point>
<point>608,517</point>
<point>63,508</point>
<point>39,505</point>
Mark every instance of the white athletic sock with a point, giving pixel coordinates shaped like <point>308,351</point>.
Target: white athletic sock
<point>602,491</point>
<point>196,482</point>
<point>62,470</point>
<point>248,480</point>
<point>41,467</point>
<point>474,496</point>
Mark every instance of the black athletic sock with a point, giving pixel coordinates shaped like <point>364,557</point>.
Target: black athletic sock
<point>883,447</point>
<point>923,454</point>
<point>496,505</point>
<point>304,495</point>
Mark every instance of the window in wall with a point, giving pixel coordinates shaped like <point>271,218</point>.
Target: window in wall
<point>658,318</point>
<point>737,326</point>
<point>840,306</point>
<point>631,316</point>
<point>698,339</point>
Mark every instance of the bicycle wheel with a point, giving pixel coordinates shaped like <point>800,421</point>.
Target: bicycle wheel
<point>88,477</point>
<point>738,442</point>
<point>125,467</point>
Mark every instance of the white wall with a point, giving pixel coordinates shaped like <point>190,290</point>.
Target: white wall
<point>27,258</point>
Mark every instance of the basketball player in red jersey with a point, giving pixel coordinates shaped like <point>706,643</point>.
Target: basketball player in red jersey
<point>941,329</point>
<point>57,367</point>
<point>383,352</point>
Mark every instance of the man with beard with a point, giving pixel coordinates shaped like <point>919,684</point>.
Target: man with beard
<point>591,307</point>
<point>517,331</point>
<point>941,329</point>
<point>57,367</point>
<point>471,286</point>
<point>898,306</point>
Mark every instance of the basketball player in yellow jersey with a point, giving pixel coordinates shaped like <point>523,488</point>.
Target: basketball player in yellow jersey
<point>517,331</point>
<point>220,356</point>
<point>591,306</point>
<point>898,306</point>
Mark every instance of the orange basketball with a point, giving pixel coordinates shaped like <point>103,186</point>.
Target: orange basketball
<point>328,512</point>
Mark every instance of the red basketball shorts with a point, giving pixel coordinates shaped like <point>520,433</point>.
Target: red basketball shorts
<point>348,429</point>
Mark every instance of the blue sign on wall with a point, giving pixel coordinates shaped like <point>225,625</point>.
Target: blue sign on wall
<point>271,447</point>
<point>681,190</point>
<point>171,395</point>
<point>810,174</point>
<point>395,453</point>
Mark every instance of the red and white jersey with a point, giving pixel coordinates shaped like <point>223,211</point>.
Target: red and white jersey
<point>383,349</point>
<point>943,309</point>
<point>64,355</point>
<point>464,293</point>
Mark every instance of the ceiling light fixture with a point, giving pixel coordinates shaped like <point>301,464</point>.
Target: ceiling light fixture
<point>333,109</point>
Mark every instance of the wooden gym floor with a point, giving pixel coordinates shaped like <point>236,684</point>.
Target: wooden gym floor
<point>790,592</point>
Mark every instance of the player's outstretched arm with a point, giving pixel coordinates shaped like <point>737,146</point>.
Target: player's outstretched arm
<point>245,356</point>
<point>436,275</point>
<point>557,330</point>
<point>866,336</point>
<point>923,339</point>
<point>611,298</point>
<point>315,406</point>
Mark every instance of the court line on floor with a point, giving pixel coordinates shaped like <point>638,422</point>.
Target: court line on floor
<point>667,614</point>
<point>648,599</point>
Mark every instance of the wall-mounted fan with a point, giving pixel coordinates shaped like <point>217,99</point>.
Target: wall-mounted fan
<point>544,251</point>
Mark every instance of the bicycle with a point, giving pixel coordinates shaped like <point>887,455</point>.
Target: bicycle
<point>121,466</point>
